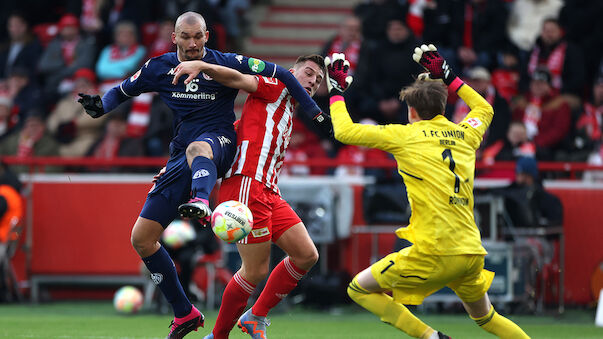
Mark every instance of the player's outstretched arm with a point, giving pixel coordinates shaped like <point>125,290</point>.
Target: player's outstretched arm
<point>438,69</point>
<point>346,131</point>
<point>226,76</point>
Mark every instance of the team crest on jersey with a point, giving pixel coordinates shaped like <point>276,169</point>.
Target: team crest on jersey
<point>474,122</point>
<point>135,76</point>
<point>256,65</point>
<point>207,77</point>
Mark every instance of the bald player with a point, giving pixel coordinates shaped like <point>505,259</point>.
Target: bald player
<point>202,149</point>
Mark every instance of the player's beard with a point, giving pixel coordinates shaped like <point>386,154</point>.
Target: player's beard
<point>193,54</point>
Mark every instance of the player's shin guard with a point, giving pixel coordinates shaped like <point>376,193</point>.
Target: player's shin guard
<point>500,326</point>
<point>390,312</point>
<point>164,275</point>
<point>205,175</point>
<point>233,304</point>
<point>281,282</point>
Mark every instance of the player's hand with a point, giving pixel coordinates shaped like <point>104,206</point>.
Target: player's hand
<point>158,175</point>
<point>323,122</point>
<point>93,105</point>
<point>428,57</point>
<point>192,68</point>
<point>337,76</point>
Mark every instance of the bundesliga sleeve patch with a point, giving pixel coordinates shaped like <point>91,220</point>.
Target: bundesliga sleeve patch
<point>135,76</point>
<point>474,122</point>
<point>256,65</point>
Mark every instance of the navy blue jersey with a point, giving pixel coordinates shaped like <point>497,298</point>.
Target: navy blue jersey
<point>201,106</point>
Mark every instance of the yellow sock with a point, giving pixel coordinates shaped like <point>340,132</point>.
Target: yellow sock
<point>390,312</point>
<point>500,326</point>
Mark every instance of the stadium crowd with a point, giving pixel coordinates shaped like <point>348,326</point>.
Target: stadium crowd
<point>538,62</point>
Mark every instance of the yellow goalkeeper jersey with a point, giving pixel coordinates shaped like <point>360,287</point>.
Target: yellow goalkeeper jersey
<point>436,159</point>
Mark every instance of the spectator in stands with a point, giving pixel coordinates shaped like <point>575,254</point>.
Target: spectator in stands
<point>22,49</point>
<point>375,15</point>
<point>545,113</point>
<point>112,12</point>
<point>581,20</point>
<point>163,43</point>
<point>383,71</point>
<point>507,72</point>
<point>588,134</point>
<point>72,127</point>
<point>563,59</point>
<point>480,80</point>
<point>515,145</point>
<point>31,140</point>
<point>526,200</point>
<point>5,123</point>
<point>65,54</point>
<point>115,142</point>
<point>348,40</point>
<point>233,16</point>
<point>477,32</point>
<point>24,94</point>
<point>123,57</point>
<point>526,18</point>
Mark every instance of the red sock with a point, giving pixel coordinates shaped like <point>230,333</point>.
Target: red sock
<point>282,280</point>
<point>233,304</point>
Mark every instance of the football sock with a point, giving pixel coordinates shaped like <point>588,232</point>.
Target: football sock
<point>281,282</point>
<point>204,177</point>
<point>233,304</point>
<point>389,311</point>
<point>163,273</point>
<point>500,326</point>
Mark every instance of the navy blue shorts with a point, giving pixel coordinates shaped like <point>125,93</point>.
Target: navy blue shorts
<point>174,186</point>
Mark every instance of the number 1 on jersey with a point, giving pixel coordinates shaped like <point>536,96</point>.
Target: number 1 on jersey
<point>457,181</point>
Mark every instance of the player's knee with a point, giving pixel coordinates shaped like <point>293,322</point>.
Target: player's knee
<point>306,260</point>
<point>142,245</point>
<point>199,148</point>
<point>255,274</point>
<point>356,292</point>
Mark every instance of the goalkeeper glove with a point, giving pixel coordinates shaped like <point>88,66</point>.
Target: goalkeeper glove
<point>93,105</point>
<point>432,61</point>
<point>337,76</point>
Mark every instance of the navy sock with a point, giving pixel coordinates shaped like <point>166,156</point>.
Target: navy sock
<point>163,273</point>
<point>204,177</point>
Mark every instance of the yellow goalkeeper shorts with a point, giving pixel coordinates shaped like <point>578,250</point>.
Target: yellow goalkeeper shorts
<point>412,276</point>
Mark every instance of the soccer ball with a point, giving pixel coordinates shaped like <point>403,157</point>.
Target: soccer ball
<point>178,233</point>
<point>127,300</point>
<point>231,221</point>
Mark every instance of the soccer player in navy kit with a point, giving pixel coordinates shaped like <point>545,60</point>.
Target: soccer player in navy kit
<point>202,149</point>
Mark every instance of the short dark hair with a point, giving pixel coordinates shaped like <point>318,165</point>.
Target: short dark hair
<point>315,58</point>
<point>427,97</point>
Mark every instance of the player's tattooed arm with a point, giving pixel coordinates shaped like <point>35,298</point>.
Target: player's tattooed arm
<point>226,76</point>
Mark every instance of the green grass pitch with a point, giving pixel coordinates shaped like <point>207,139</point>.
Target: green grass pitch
<point>98,320</point>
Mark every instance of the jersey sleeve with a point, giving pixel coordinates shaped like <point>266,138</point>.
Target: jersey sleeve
<point>266,88</point>
<point>140,82</point>
<point>388,138</point>
<point>479,118</point>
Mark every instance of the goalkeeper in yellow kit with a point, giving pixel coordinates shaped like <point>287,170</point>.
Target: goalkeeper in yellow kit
<point>436,159</point>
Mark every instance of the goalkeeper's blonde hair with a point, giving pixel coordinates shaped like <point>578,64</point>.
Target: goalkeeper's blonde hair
<point>427,97</point>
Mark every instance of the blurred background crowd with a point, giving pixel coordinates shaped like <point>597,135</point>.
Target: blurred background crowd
<point>538,62</point>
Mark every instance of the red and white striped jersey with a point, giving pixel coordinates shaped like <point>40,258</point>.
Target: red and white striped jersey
<point>263,133</point>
